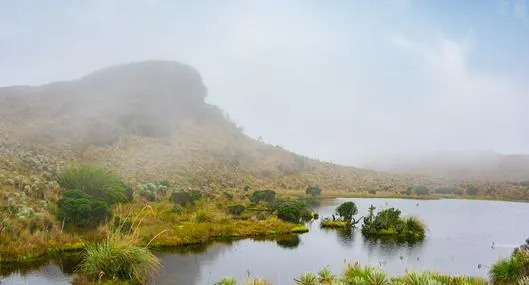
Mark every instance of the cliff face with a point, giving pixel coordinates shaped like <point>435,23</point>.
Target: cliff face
<point>145,99</point>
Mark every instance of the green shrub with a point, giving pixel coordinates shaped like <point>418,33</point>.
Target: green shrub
<point>389,223</point>
<point>293,212</point>
<point>263,196</point>
<point>313,191</point>
<point>236,210</point>
<point>81,210</point>
<point>182,198</point>
<point>347,210</point>
<point>95,181</point>
<point>373,192</point>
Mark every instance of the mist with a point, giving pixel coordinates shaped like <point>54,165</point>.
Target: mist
<point>342,82</point>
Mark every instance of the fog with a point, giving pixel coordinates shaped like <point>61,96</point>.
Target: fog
<point>341,81</point>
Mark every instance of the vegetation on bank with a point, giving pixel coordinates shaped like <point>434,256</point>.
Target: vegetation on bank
<point>355,274</point>
<point>92,199</point>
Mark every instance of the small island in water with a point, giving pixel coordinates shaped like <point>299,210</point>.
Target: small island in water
<point>386,223</point>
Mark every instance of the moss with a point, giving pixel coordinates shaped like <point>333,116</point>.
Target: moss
<point>299,229</point>
<point>335,224</point>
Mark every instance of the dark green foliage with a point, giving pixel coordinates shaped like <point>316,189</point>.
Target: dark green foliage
<point>183,198</point>
<point>409,190</point>
<point>373,192</point>
<point>97,182</point>
<point>389,223</point>
<point>263,196</point>
<point>421,190</point>
<point>347,210</point>
<point>313,191</point>
<point>81,210</point>
<point>236,210</point>
<point>246,188</point>
<point>293,211</point>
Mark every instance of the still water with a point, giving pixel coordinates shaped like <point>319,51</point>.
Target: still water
<point>462,234</point>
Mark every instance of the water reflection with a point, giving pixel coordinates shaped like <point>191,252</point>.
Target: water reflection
<point>288,241</point>
<point>66,264</point>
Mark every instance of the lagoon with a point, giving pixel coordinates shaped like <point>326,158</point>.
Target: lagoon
<point>463,237</point>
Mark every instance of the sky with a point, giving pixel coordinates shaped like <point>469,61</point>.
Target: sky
<point>342,81</point>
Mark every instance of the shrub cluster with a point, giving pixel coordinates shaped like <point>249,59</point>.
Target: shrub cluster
<point>389,223</point>
<point>263,196</point>
<point>91,190</point>
<point>293,211</point>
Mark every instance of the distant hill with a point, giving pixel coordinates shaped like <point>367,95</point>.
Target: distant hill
<point>149,121</point>
<point>470,166</point>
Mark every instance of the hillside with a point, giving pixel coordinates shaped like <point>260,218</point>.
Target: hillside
<point>150,121</point>
<point>460,166</point>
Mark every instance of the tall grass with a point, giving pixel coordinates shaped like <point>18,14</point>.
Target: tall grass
<point>510,270</point>
<point>354,274</point>
<point>121,256</point>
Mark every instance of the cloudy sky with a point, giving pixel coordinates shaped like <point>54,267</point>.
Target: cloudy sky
<point>336,80</point>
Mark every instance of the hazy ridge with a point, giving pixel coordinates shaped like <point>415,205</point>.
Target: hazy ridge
<point>150,121</point>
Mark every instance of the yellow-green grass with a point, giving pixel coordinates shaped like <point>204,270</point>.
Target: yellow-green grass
<point>203,223</point>
<point>335,224</point>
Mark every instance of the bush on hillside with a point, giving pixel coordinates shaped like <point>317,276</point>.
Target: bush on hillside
<point>79,209</point>
<point>263,196</point>
<point>236,210</point>
<point>97,182</point>
<point>313,191</point>
<point>182,198</point>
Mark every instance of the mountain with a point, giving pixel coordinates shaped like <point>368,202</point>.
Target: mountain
<point>459,166</point>
<point>150,121</point>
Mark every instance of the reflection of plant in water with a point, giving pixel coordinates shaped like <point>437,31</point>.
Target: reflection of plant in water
<point>288,241</point>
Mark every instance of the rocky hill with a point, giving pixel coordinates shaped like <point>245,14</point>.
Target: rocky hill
<point>150,121</point>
